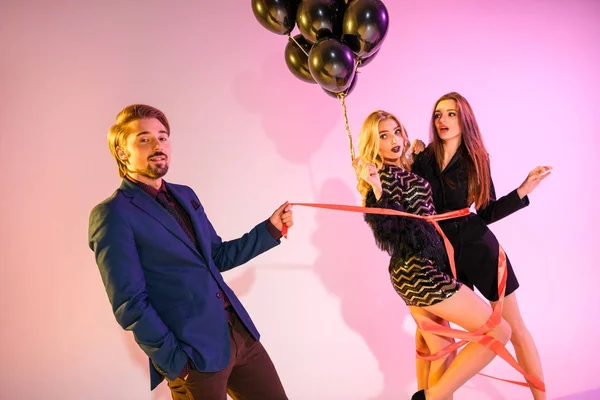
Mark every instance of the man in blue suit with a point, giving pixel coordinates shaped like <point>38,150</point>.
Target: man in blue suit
<point>161,262</point>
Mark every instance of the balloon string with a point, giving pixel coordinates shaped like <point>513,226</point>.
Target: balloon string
<point>297,44</point>
<point>342,98</point>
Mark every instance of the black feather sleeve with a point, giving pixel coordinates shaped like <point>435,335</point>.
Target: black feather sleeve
<point>387,229</point>
<point>402,236</point>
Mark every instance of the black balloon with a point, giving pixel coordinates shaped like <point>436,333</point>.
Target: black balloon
<point>332,65</point>
<point>278,16</point>
<point>365,26</point>
<point>297,60</point>
<point>345,92</point>
<point>318,19</point>
<point>366,60</point>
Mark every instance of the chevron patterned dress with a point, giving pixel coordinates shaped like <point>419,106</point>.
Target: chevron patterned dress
<point>419,265</point>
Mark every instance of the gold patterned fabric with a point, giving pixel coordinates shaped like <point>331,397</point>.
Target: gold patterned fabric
<point>418,265</point>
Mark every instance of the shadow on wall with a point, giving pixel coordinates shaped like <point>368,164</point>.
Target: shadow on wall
<point>288,109</point>
<point>355,271</point>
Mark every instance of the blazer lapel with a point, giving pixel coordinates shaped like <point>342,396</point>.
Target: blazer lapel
<point>200,228</point>
<point>146,203</point>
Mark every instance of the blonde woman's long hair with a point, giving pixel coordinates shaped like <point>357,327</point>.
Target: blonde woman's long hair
<point>368,147</point>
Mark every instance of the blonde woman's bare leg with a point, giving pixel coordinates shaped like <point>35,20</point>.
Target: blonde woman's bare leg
<point>422,366</point>
<point>433,344</point>
<point>474,356</point>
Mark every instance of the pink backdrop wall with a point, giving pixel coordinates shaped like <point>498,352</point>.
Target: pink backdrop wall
<point>247,136</point>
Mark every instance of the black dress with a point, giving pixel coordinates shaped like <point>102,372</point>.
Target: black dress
<point>475,246</point>
<point>418,266</point>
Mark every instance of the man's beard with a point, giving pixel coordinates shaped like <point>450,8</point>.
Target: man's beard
<point>154,172</point>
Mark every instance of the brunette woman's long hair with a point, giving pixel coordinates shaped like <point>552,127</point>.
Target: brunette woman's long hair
<point>478,162</point>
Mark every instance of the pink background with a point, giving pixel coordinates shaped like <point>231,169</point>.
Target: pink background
<point>247,135</point>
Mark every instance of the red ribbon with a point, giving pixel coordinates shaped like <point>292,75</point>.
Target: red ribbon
<point>479,335</point>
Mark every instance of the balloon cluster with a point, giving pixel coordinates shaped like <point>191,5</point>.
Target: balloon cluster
<point>336,37</point>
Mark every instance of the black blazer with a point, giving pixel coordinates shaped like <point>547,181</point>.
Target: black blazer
<point>455,196</point>
<point>476,248</point>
